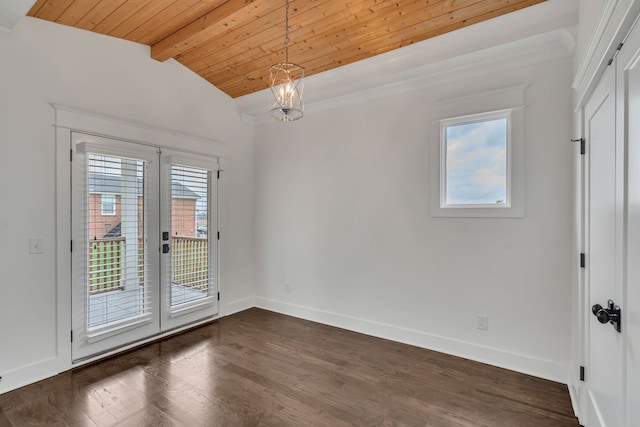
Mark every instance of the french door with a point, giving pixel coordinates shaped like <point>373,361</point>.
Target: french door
<point>189,242</point>
<point>143,259</point>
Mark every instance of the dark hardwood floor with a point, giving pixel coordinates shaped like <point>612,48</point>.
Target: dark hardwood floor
<point>258,368</point>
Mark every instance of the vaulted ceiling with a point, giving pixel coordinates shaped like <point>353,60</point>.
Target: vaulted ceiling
<point>232,43</point>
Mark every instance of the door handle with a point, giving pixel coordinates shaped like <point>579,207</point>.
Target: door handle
<point>611,314</point>
<point>165,248</point>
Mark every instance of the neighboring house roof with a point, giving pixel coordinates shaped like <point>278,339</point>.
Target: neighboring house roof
<point>110,184</point>
<point>114,232</point>
<point>182,191</point>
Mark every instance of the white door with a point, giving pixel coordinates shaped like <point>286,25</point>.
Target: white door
<point>114,265</point>
<point>604,196</point>
<point>189,238</point>
<point>124,288</point>
<point>629,95</point>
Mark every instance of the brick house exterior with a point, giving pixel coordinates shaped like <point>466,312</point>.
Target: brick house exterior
<point>104,225</point>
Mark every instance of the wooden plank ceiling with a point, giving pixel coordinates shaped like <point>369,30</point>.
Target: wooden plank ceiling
<point>232,43</point>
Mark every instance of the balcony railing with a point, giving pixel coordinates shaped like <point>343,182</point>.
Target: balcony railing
<point>106,264</point>
<point>189,263</point>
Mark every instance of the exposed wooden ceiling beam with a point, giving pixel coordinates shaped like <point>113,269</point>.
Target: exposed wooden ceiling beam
<point>226,16</point>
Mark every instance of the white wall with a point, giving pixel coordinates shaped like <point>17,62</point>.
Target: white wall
<point>342,214</point>
<point>47,63</point>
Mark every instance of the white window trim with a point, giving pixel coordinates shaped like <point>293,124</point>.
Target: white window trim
<point>501,103</point>
<point>102,211</point>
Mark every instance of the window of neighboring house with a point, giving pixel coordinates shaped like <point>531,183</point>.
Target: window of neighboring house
<point>478,156</point>
<point>108,204</point>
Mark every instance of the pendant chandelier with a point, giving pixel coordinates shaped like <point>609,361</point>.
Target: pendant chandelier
<point>287,84</point>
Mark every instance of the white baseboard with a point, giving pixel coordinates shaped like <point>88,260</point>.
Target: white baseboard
<point>541,368</point>
<point>516,362</point>
<point>29,374</point>
<point>237,306</point>
<point>575,401</point>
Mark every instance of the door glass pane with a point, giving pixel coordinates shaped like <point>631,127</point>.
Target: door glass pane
<point>189,234</point>
<point>116,290</point>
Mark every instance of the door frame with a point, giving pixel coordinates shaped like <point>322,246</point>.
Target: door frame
<point>66,120</point>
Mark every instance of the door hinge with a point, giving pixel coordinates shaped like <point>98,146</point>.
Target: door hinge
<point>218,296</point>
<point>218,173</point>
<point>218,235</point>
<point>582,261</point>
<point>70,154</point>
<point>71,336</point>
<point>71,245</point>
<point>583,145</point>
<point>615,54</point>
<point>581,373</point>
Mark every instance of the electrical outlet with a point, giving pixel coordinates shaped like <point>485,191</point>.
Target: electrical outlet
<point>287,287</point>
<point>36,245</point>
<point>483,323</point>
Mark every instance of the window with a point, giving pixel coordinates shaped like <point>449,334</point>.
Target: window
<point>108,204</point>
<point>477,156</point>
<point>474,155</point>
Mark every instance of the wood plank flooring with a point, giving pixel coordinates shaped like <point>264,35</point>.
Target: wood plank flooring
<point>258,368</point>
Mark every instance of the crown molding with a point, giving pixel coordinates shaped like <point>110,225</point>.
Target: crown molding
<point>247,119</point>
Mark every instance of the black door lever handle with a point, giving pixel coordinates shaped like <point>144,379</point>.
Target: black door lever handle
<point>595,309</point>
<point>611,314</point>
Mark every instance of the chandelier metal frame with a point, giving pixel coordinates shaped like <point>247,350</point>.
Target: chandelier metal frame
<point>287,83</point>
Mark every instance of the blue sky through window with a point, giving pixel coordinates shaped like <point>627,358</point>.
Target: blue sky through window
<point>476,163</point>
